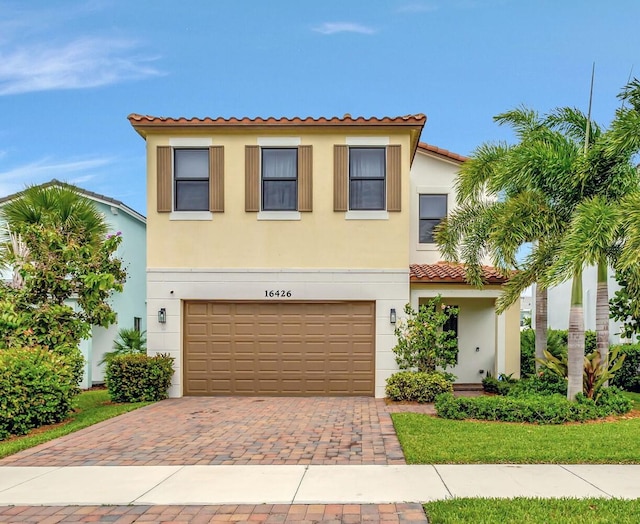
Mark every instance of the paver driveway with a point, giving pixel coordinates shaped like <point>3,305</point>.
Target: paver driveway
<point>231,430</point>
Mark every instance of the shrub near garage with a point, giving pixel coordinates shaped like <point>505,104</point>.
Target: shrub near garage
<point>628,376</point>
<point>418,386</point>
<point>37,387</point>
<point>138,378</point>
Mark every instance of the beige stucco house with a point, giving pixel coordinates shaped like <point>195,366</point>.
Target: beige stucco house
<point>279,251</point>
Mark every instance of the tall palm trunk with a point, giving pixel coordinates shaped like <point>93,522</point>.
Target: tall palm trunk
<point>575,348</point>
<point>602,314</point>
<point>541,323</point>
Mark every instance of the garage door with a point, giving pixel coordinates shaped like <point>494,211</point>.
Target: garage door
<point>279,348</point>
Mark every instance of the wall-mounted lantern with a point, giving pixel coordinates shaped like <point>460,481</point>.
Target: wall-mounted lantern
<point>392,316</point>
<point>162,315</point>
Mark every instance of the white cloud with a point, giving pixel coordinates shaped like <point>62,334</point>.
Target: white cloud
<point>45,169</point>
<point>331,28</point>
<point>81,63</point>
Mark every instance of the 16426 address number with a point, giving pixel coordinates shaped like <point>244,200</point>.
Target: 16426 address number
<point>277,293</point>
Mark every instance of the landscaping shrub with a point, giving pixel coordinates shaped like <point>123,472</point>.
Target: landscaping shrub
<point>37,387</point>
<point>628,376</point>
<point>138,378</point>
<point>544,383</point>
<point>500,385</point>
<point>539,409</point>
<point>556,345</point>
<point>418,386</point>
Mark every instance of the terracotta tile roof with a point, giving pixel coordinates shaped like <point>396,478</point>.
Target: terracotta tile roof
<point>428,148</point>
<point>450,273</point>
<point>146,120</point>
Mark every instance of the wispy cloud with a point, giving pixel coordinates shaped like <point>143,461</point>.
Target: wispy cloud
<point>46,169</point>
<point>331,28</point>
<point>418,7</point>
<point>81,63</point>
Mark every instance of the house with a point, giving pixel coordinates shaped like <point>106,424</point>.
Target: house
<point>129,305</point>
<point>280,253</point>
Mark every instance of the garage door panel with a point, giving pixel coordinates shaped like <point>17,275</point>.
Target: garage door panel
<point>279,348</point>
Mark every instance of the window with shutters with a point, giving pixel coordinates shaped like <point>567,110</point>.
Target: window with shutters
<point>432,209</point>
<point>279,185</point>
<point>191,179</point>
<point>367,175</point>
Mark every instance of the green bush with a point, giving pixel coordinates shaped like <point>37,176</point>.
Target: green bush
<point>538,409</point>
<point>556,345</point>
<point>628,376</point>
<point>418,386</point>
<point>37,387</point>
<point>500,385</point>
<point>138,378</point>
<point>544,383</point>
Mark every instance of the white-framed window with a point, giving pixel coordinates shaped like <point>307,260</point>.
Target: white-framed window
<point>191,179</point>
<point>367,178</point>
<point>432,209</point>
<point>137,324</point>
<point>279,178</point>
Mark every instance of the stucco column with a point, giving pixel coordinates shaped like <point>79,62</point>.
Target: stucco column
<point>501,344</point>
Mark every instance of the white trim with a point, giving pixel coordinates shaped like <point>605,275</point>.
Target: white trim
<point>367,140</point>
<point>190,142</point>
<point>433,190</point>
<point>366,215</point>
<point>388,271</point>
<point>279,215</point>
<point>275,141</point>
<point>436,288</point>
<point>191,215</point>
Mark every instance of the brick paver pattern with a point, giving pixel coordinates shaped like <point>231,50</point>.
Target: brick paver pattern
<point>232,430</point>
<point>264,513</point>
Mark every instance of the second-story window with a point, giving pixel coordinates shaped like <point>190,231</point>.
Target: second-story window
<point>279,179</point>
<point>191,178</point>
<point>367,172</point>
<point>433,208</point>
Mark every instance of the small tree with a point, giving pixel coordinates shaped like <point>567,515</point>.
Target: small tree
<point>423,343</point>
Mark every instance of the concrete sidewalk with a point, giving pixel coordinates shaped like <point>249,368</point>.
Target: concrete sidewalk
<point>298,484</point>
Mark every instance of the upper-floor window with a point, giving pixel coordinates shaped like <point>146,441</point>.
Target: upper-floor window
<point>191,179</point>
<point>433,208</point>
<point>279,179</point>
<point>367,174</point>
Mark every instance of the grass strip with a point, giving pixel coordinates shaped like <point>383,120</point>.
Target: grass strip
<point>533,510</point>
<point>92,407</point>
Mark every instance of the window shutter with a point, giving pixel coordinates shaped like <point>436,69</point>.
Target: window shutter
<point>216,179</point>
<point>394,179</point>
<point>305,178</point>
<point>252,178</point>
<point>340,177</point>
<point>163,182</point>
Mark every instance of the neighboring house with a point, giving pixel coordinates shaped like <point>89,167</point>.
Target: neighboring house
<point>281,251</point>
<point>129,305</point>
<point>559,303</point>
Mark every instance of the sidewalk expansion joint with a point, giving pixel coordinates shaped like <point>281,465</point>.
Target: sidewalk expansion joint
<point>585,480</point>
<point>306,468</point>
<point>434,466</point>
<point>156,485</point>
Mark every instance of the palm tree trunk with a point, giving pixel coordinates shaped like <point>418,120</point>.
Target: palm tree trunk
<point>541,323</point>
<point>575,346</point>
<point>602,315</point>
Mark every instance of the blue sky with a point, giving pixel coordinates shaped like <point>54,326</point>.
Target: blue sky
<point>71,72</point>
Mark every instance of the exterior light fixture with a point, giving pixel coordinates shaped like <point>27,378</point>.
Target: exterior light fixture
<point>392,316</point>
<point>162,315</point>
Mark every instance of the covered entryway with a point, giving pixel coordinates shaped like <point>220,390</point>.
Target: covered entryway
<point>279,348</point>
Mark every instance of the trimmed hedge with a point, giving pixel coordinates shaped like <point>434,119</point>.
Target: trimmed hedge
<point>417,386</point>
<point>539,409</point>
<point>628,376</point>
<point>37,387</point>
<point>138,378</point>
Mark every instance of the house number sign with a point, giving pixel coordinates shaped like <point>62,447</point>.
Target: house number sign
<point>277,293</point>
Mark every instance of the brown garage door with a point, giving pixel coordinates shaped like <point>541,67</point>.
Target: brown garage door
<point>279,348</point>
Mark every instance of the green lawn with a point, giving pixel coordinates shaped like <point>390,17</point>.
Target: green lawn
<point>431,440</point>
<point>530,511</point>
<point>92,407</point>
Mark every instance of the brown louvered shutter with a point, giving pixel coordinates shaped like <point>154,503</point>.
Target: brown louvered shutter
<point>340,177</point>
<point>163,181</point>
<point>252,178</point>
<point>394,178</point>
<point>305,178</point>
<point>216,179</point>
